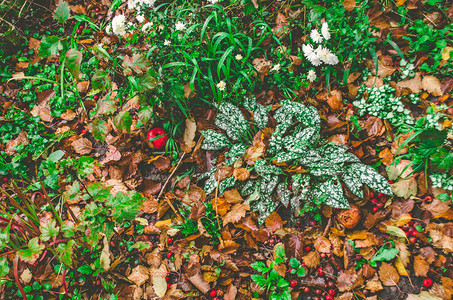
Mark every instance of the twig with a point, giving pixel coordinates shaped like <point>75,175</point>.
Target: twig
<point>217,214</point>
<point>16,277</point>
<point>329,224</point>
<point>169,177</point>
<point>174,209</point>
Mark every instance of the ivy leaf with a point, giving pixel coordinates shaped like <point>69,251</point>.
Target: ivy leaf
<point>62,12</point>
<point>34,249</point>
<point>48,230</point>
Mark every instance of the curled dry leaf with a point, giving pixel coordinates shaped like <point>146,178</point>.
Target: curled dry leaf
<point>413,84</point>
<point>349,5</point>
<point>198,281</point>
<point>262,66</point>
<point>349,218</point>
<point>421,267</point>
<point>312,259</point>
<point>348,280</point>
<point>139,275</point>
<point>189,133</point>
<point>322,244</point>
<point>432,85</point>
<point>374,285</point>
<point>241,174</point>
<point>237,212</point>
<point>294,244</point>
<point>112,154</point>
<point>233,196</point>
<point>82,146</point>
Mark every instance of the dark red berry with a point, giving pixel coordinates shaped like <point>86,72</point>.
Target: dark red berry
<point>379,205</point>
<point>330,284</point>
<point>350,105</point>
<point>290,187</point>
<point>78,31</point>
<point>293,283</point>
<point>307,249</point>
<point>427,282</point>
<point>271,241</point>
<point>95,97</point>
<point>411,222</point>
<point>312,223</point>
<point>169,254</point>
<point>374,200</point>
<point>84,131</point>
<point>390,181</point>
<point>5,179</point>
<point>318,292</point>
<point>213,293</point>
<point>306,290</point>
<point>413,239</point>
<point>98,282</point>
<point>371,194</point>
<point>302,264</point>
<point>320,272</point>
<point>169,241</point>
<point>428,199</point>
<point>168,286</point>
<point>81,26</point>
<point>380,195</point>
<point>332,292</point>
<point>414,232</point>
<point>338,268</point>
<point>167,278</point>
<point>375,209</point>
<point>329,297</point>
<point>97,9</point>
<point>323,255</point>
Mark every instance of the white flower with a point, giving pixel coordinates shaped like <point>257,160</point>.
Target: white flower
<point>316,36</point>
<point>307,49</point>
<point>238,57</point>
<point>140,18</point>
<point>331,59</point>
<point>180,26</point>
<point>119,25</point>
<point>325,31</point>
<point>147,27</point>
<point>276,68</point>
<point>311,75</point>
<point>326,56</point>
<point>221,85</point>
<point>167,43</point>
<point>213,1</point>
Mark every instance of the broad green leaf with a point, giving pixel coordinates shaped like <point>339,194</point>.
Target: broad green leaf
<point>73,61</point>
<point>100,130</point>
<point>145,114</point>
<point>258,279</point>
<point>56,155</point>
<point>50,45</point>
<point>259,266</point>
<point>65,251</point>
<point>123,121</point>
<point>34,249</point>
<point>280,251</point>
<point>62,12</point>
<point>49,230</point>
<point>85,269</point>
<point>384,254</point>
<point>395,231</point>
<point>294,263</point>
<point>4,268</point>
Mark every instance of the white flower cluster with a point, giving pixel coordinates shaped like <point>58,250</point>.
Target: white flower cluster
<point>441,180</point>
<point>321,54</point>
<point>382,103</point>
<point>140,4</point>
<point>119,25</point>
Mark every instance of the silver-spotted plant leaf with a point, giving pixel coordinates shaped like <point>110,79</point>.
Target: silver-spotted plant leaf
<point>372,178</point>
<point>352,181</point>
<point>284,194</point>
<point>237,120</point>
<point>267,187</point>
<point>264,207</point>
<point>226,184</point>
<point>214,140</point>
<point>275,144</point>
<point>263,168</point>
<point>224,122</point>
<point>310,157</point>
<point>235,153</point>
<point>249,103</point>
<point>330,193</point>
<point>248,188</point>
<point>325,169</point>
<point>341,157</point>
<point>286,156</point>
<point>260,116</point>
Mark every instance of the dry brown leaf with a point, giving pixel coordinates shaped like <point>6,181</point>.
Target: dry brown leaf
<point>198,281</point>
<point>254,152</point>
<point>386,156</point>
<point>189,133</point>
<point>374,285</point>
<point>82,146</point>
<point>21,139</point>
<point>424,295</point>
<point>400,267</point>
<point>388,275</point>
<point>413,84</point>
<point>335,100</point>
<point>159,282</point>
<point>220,205</point>
<point>432,85</point>
<point>262,66</point>
<point>105,255</point>
<point>112,154</point>
<point>405,188</point>
<point>347,280</point>
<point>373,125</point>
<point>349,5</point>
<point>139,275</point>
<point>233,196</point>
<point>294,244</point>
<point>241,174</point>
<point>312,259</point>
<point>149,206</point>
<point>322,244</point>
<point>440,240</point>
<point>237,213</point>
<point>230,293</point>
<point>404,254</point>
<point>68,115</point>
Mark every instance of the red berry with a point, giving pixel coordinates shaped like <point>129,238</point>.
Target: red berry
<point>367,116</point>
<point>97,9</point>
<point>290,187</point>
<point>95,97</point>
<point>78,31</point>
<point>338,268</point>
<point>81,26</point>
<point>293,283</point>
<point>330,284</point>
<point>371,194</point>
<point>414,232</point>
<point>213,293</point>
<point>408,233</point>
<point>289,270</point>
<point>84,131</point>
<point>412,239</point>
<point>318,292</point>
<point>390,181</point>
<point>98,282</point>
<point>350,105</point>
<point>428,199</point>
<point>215,298</point>
<point>302,264</point>
<point>5,179</point>
<point>306,290</point>
<point>168,286</point>
<point>329,297</point>
<point>380,195</point>
<point>379,205</point>
<point>271,241</point>
<point>366,292</point>
<point>427,282</point>
<point>312,223</point>
<point>160,142</point>
<point>411,228</point>
<point>323,255</point>
<point>169,254</point>
<point>316,298</point>
<point>332,292</point>
<point>307,249</point>
<point>375,209</point>
<point>320,272</point>
<point>169,241</point>
<point>167,278</point>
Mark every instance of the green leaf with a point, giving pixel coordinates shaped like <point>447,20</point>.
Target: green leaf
<point>123,121</point>
<point>301,272</point>
<point>372,178</point>
<point>443,159</point>
<point>443,197</point>
<point>56,155</point>
<point>280,251</point>
<point>259,280</point>
<point>145,114</point>
<point>49,230</point>
<point>330,193</point>
<point>65,252</point>
<point>73,61</point>
<point>294,263</point>
<point>395,231</point>
<point>4,268</point>
<point>259,266</point>
<point>100,130</point>
<point>85,269</point>
<point>62,12</point>
<point>384,254</point>
<point>214,140</point>
<point>34,249</point>
<point>50,45</point>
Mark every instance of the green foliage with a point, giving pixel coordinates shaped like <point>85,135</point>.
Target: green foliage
<point>296,142</point>
<point>383,254</point>
<point>62,12</point>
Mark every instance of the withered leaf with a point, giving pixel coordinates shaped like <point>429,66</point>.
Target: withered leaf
<point>322,244</point>
<point>349,5</point>
<point>432,85</point>
<point>294,245</point>
<point>312,259</point>
<point>421,267</point>
<point>139,275</point>
<point>241,174</point>
<point>82,146</point>
<point>388,275</point>
<point>237,212</point>
<point>233,196</point>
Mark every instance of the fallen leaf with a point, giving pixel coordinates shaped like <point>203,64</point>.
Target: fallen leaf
<point>233,196</point>
<point>237,212</point>
<point>413,84</point>
<point>400,267</point>
<point>432,85</point>
<point>105,255</point>
<point>424,295</point>
<point>262,66</point>
<point>21,139</point>
<point>198,281</point>
<point>322,244</point>
<point>404,254</point>
<point>82,146</point>
<point>112,154</point>
<point>388,275</point>
<point>241,174</point>
<point>312,259</point>
<point>335,100</point>
<point>139,275</point>
<point>349,5</point>
<point>294,244</point>
<point>230,293</point>
<point>189,133</point>
<point>446,53</point>
<point>374,285</point>
<point>386,156</point>
<point>373,126</point>
<point>347,280</point>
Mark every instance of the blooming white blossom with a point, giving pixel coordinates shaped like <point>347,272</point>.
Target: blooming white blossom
<point>221,85</point>
<point>238,57</point>
<point>307,49</point>
<point>316,36</point>
<point>180,26</point>
<point>326,56</point>
<point>119,25</point>
<point>325,31</point>
<point>167,43</point>
<point>276,68</point>
<point>140,18</point>
<point>213,1</point>
<point>138,4</point>
<point>311,75</point>
<point>311,55</point>
<point>331,59</point>
<point>147,27</point>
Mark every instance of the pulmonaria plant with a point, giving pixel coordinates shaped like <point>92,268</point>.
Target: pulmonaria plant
<point>297,169</point>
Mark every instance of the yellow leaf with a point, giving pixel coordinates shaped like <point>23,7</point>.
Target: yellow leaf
<point>446,53</point>
<point>400,267</point>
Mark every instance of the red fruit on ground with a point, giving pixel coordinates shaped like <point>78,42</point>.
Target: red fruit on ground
<point>78,31</point>
<point>413,239</point>
<point>371,194</point>
<point>293,283</point>
<point>428,199</point>
<point>95,97</point>
<point>159,142</point>
<point>98,282</point>
<point>330,284</point>
<point>338,268</point>
<point>84,131</point>
<point>170,241</point>
<point>329,297</point>
<point>167,278</point>
<point>320,272</point>
<point>302,264</point>
<point>332,292</point>
<point>290,187</point>
<point>169,254</point>
<point>318,292</point>
<point>312,223</point>
<point>307,249</point>
<point>380,195</point>
<point>168,286</point>
<point>323,255</point>
<point>350,105</point>
<point>213,293</point>
<point>5,179</point>
<point>414,232</point>
<point>427,282</point>
<point>271,241</point>
<point>306,290</point>
<point>375,209</point>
